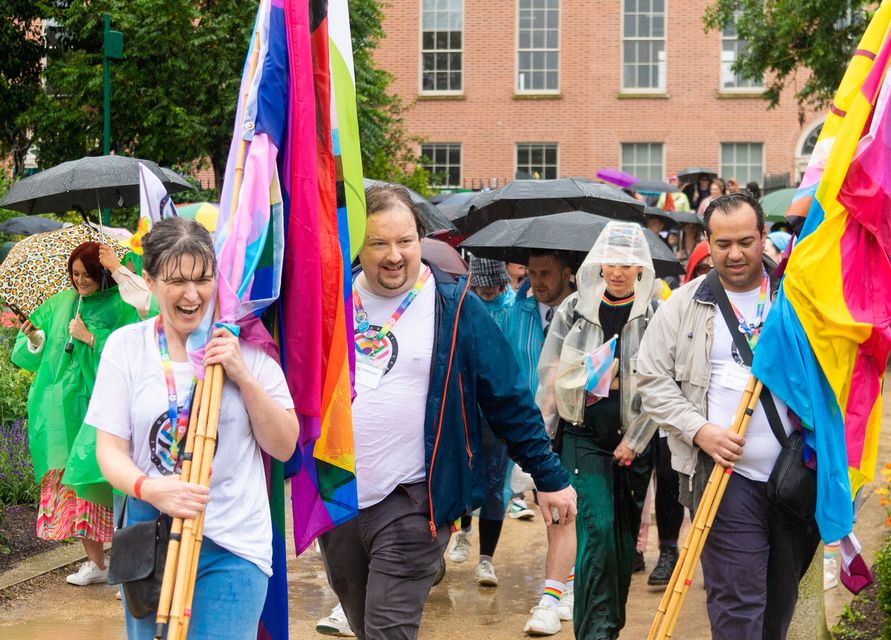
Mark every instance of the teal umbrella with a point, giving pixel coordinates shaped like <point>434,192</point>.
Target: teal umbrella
<point>776,203</point>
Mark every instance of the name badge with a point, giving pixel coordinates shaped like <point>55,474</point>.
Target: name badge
<point>734,376</point>
<point>368,377</point>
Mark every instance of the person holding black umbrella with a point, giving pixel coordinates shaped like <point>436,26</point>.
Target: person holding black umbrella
<point>596,414</point>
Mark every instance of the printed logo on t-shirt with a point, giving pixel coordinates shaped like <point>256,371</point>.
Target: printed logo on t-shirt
<point>160,440</point>
<point>384,355</point>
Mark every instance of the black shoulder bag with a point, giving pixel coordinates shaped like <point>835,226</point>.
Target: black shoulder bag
<point>138,554</point>
<point>791,485</point>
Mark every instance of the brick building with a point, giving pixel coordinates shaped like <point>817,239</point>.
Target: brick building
<point>564,87</point>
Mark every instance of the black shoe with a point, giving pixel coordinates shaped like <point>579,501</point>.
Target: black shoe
<point>638,564</point>
<point>668,558</point>
<point>440,573</point>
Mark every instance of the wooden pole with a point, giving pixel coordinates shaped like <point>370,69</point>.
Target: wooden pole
<point>176,528</point>
<point>672,600</point>
<point>188,530</point>
<point>205,439</point>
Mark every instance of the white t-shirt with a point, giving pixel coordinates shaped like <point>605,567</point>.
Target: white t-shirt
<point>728,380</point>
<point>130,402</point>
<point>388,421</point>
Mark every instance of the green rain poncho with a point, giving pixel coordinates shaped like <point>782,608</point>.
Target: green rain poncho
<point>60,393</point>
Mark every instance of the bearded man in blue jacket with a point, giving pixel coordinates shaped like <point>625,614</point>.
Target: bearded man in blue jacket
<point>427,355</point>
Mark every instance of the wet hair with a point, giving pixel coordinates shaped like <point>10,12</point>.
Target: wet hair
<point>561,258</point>
<point>88,254</point>
<point>729,203</point>
<point>172,238</point>
<point>385,195</point>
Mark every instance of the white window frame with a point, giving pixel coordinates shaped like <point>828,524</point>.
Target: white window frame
<point>523,91</point>
<point>556,146</point>
<point>421,50</point>
<point>661,173</point>
<point>759,88</point>
<point>447,165</point>
<point>662,65</point>
<point>723,171</point>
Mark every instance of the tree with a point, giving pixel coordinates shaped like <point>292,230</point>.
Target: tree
<point>21,50</point>
<point>386,147</point>
<point>793,43</point>
<point>173,93</point>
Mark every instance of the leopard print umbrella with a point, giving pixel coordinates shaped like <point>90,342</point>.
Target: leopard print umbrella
<point>37,267</point>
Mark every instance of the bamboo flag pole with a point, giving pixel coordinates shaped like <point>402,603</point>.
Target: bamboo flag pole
<point>672,600</point>
<point>189,547</point>
<point>176,528</point>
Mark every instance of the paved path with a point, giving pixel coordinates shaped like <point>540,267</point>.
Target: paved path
<point>50,609</point>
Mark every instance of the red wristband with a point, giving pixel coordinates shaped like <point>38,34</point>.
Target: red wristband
<point>137,488</point>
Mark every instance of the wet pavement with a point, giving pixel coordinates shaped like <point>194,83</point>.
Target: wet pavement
<point>47,608</point>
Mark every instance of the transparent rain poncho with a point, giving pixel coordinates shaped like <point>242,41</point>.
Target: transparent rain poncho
<point>575,330</point>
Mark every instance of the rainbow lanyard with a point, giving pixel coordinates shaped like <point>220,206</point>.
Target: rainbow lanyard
<point>753,330</point>
<point>364,329</point>
<point>180,419</point>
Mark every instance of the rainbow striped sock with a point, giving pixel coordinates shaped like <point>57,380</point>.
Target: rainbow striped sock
<point>550,596</point>
<point>570,581</point>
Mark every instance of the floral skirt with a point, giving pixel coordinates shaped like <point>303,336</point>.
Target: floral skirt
<point>63,515</point>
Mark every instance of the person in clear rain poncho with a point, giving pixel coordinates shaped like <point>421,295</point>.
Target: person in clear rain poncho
<point>595,435</point>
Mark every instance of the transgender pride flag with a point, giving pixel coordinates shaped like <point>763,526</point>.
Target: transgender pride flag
<point>599,366</point>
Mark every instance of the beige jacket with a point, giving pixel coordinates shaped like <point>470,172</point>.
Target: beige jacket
<point>674,367</point>
<point>674,370</point>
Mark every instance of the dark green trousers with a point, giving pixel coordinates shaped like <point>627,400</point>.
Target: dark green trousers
<point>610,500</point>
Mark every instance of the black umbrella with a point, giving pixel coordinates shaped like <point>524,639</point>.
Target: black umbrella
<point>529,198</point>
<point>573,232</point>
<point>675,218</point>
<point>94,182</point>
<point>653,187</point>
<point>692,174</point>
<point>452,205</point>
<point>28,225</point>
<point>434,220</point>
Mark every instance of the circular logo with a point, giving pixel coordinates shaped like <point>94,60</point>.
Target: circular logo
<point>161,438</point>
<point>381,354</point>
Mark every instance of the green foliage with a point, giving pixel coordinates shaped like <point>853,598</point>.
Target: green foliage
<point>387,150</point>
<point>21,51</point>
<point>793,43</point>
<point>882,571</point>
<point>17,483</point>
<point>173,93</point>
<point>14,382</point>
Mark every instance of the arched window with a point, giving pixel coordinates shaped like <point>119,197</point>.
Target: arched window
<point>807,147</point>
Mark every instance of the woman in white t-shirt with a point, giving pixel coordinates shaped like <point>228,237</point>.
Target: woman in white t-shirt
<point>142,368</point>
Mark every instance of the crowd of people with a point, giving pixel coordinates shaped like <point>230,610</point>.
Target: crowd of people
<point>471,393</point>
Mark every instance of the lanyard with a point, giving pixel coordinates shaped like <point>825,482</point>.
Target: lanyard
<point>179,419</point>
<point>363,328</point>
<point>753,330</point>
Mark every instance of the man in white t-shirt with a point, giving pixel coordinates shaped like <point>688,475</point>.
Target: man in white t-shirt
<point>428,354</point>
<point>692,376</point>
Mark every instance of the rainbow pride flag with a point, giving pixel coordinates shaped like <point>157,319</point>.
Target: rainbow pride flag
<point>317,349</point>
<point>291,199</point>
<point>826,342</point>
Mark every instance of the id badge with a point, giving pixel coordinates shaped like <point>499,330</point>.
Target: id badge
<point>368,377</point>
<point>734,376</point>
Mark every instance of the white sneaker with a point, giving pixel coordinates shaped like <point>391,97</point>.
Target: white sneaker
<point>564,609</point>
<point>335,624</point>
<point>544,622</point>
<point>461,547</point>
<point>519,510</point>
<point>89,573</point>
<point>485,574</point>
<point>830,573</point>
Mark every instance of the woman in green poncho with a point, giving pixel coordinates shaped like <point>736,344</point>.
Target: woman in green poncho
<point>62,342</point>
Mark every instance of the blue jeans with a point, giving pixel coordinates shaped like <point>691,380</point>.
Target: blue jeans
<point>229,592</point>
